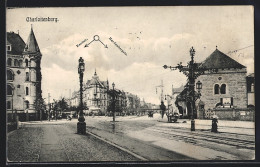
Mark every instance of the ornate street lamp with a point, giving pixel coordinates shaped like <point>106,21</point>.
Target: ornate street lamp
<point>199,86</point>
<point>81,125</point>
<point>192,71</point>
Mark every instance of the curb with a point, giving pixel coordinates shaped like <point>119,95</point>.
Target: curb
<point>119,147</point>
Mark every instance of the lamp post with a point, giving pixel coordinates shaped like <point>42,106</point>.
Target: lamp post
<point>81,125</point>
<point>192,71</point>
<point>113,102</point>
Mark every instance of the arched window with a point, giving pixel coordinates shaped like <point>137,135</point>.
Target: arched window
<point>26,63</point>
<point>216,89</point>
<point>9,90</point>
<point>10,75</point>
<point>9,62</point>
<point>223,89</point>
<point>27,91</point>
<point>16,63</point>
<point>27,104</point>
<point>20,64</point>
<point>27,76</point>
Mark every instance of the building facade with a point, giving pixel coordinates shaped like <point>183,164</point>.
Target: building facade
<point>23,69</point>
<point>95,94</point>
<point>132,103</point>
<point>180,104</point>
<point>224,91</point>
<point>251,89</point>
<point>98,98</point>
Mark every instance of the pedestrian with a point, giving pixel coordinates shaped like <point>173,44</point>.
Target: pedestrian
<point>163,108</point>
<point>214,123</point>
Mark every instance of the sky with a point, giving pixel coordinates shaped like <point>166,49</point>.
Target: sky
<point>150,36</point>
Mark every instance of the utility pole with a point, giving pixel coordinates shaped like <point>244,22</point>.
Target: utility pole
<point>49,106</point>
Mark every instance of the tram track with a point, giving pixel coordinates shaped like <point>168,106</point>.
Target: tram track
<point>195,137</point>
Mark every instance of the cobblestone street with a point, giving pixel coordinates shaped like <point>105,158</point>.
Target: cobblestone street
<point>55,142</point>
<point>130,138</point>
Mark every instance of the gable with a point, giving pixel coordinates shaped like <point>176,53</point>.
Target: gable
<point>218,60</point>
<point>16,42</point>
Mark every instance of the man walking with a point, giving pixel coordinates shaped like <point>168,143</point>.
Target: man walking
<point>163,108</point>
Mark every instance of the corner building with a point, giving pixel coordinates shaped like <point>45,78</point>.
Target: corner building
<point>23,70</point>
<point>223,91</point>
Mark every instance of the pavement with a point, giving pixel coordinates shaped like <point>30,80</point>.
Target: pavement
<point>54,142</point>
<point>243,130</point>
<point>154,134</point>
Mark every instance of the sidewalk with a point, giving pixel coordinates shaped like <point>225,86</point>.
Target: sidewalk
<point>239,127</point>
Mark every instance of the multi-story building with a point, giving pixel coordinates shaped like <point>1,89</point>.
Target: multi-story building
<point>23,73</point>
<point>97,97</point>
<point>74,100</point>
<point>132,103</point>
<point>95,94</point>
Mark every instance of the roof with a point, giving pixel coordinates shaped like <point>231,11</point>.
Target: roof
<point>95,81</point>
<point>31,45</point>
<point>177,90</point>
<point>251,75</point>
<point>219,60</point>
<point>16,42</point>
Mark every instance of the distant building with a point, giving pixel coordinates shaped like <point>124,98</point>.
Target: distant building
<point>180,104</point>
<point>23,69</point>
<point>97,98</point>
<point>74,100</point>
<point>132,103</point>
<point>95,94</point>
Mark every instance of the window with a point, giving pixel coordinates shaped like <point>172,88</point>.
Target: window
<point>9,90</point>
<point>216,89</point>
<point>26,62</point>
<point>16,63</point>
<point>8,48</point>
<point>27,76</point>
<point>26,104</point>
<point>10,75</point>
<point>20,63</point>
<point>252,88</point>
<point>8,105</point>
<point>27,91</point>
<point>9,62</point>
<point>223,89</point>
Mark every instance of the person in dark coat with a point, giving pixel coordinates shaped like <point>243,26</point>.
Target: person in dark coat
<point>163,108</point>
